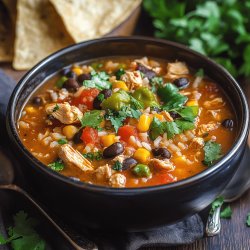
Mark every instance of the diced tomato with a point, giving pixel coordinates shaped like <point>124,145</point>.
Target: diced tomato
<point>89,136</point>
<point>163,178</point>
<point>86,98</point>
<point>126,131</point>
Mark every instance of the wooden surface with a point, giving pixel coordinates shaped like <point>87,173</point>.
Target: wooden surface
<point>235,235</point>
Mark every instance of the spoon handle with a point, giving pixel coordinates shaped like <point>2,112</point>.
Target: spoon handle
<point>213,222</point>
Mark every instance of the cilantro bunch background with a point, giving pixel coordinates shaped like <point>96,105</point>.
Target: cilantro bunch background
<point>219,29</point>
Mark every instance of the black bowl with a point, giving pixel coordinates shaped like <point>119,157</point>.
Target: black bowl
<point>129,208</point>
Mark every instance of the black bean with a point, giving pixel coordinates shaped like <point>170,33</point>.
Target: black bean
<point>228,123</point>
<point>71,74</point>
<point>113,150</point>
<point>174,114</point>
<point>97,101</point>
<point>129,163</point>
<point>161,152</point>
<point>181,82</point>
<point>77,137</point>
<point>83,77</point>
<point>37,101</point>
<point>71,85</point>
<point>156,109</point>
<point>146,71</point>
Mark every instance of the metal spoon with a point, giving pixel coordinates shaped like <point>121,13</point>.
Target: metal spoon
<point>6,180</point>
<point>234,190</point>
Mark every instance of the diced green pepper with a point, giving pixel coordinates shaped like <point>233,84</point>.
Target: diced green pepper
<point>61,81</point>
<point>145,96</point>
<point>141,170</point>
<point>116,101</point>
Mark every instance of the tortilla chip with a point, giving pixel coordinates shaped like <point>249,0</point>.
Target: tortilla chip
<point>6,35</point>
<point>39,32</point>
<point>87,19</point>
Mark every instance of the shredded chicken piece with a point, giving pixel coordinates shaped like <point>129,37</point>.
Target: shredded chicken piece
<point>167,116</point>
<point>117,180</point>
<point>215,114</point>
<point>162,164</point>
<point>197,143</point>
<point>133,79</point>
<point>214,104</point>
<point>177,69</point>
<point>64,112</point>
<point>103,172</point>
<point>119,158</point>
<point>70,156</point>
<point>204,128</point>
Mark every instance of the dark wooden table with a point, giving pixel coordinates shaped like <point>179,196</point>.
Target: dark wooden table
<point>235,235</point>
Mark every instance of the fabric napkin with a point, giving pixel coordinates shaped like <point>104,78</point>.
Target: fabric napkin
<point>184,232</point>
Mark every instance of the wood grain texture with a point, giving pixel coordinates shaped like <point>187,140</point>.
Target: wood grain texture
<point>235,235</point>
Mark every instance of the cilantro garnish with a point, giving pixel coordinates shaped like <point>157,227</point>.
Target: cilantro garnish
<point>117,166</point>
<point>55,108</point>
<point>248,220</point>
<point>212,152</point>
<point>100,97</point>
<point>170,95</point>
<point>156,82</point>
<point>93,156</point>
<point>200,73</point>
<point>119,73</point>
<point>216,203</point>
<point>188,113</point>
<point>57,165</point>
<point>62,141</point>
<point>98,80</point>
<point>92,119</point>
<point>22,236</point>
<point>226,213</point>
<point>135,104</point>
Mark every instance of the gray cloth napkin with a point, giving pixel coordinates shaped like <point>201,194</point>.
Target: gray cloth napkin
<point>184,232</point>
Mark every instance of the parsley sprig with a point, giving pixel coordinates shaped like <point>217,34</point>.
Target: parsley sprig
<point>92,119</point>
<point>98,80</point>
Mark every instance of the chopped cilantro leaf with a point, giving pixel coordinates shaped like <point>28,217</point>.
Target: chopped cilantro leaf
<point>156,82</point>
<point>184,125</point>
<point>22,236</point>
<point>156,128</point>
<point>93,156</point>
<point>100,97</point>
<point>189,113</point>
<point>55,108</point>
<point>171,129</point>
<point>216,203</point>
<point>56,165</point>
<point>135,104</point>
<point>248,220</point>
<point>200,73</point>
<point>226,213</point>
<point>117,166</point>
<point>98,80</point>
<point>170,95</point>
<point>92,119</point>
<point>212,152</point>
<point>119,73</point>
<point>62,141</point>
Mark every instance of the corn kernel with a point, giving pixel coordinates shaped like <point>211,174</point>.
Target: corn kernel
<point>142,155</point>
<point>120,85</point>
<point>144,123</point>
<point>180,160</point>
<point>192,103</point>
<point>108,140</point>
<point>69,131</point>
<point>77,70</point>
<point>160,117</point>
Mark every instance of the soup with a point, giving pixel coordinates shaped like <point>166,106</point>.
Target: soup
<point>128,122</point>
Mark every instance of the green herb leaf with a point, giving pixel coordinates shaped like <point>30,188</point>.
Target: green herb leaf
<point>95,156</point>
<point>156,82</point>
<point>62,141</point>
<point>57,165</point>
<point>184,125</point>
<point>248,220</point>
<point>200,73</point>
<point>92,119</point>
<point>119,73</point>
<point>135,104</point>
<point>226,213</point>
<point>216,203</point>
<point>156,128</point>
<point>61,81</point>
<point>117,166</point>
<point>171,96</point>
<point>55,108</point>
<point>171,129</point>
<point>98,80</point>
<point>22,235</point>
<point>188,113</point>
<point>212,152</point>
<point>100,97</point>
